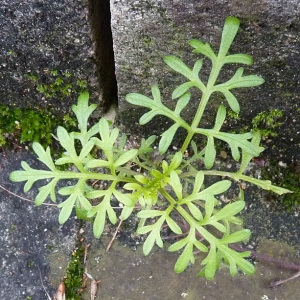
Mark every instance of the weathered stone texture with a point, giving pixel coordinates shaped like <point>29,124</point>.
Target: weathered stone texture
<point>39,35</point>
<point>145,31</point>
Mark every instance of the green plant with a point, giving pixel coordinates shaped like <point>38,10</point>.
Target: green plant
<point>169,192</point>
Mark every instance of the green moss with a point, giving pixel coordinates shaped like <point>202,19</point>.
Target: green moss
<point>74,274</point>
<point>287,177</point>
<point>22,126</point>
<point>233,115</point>
<point>267,122</point>
<point>54,83</point>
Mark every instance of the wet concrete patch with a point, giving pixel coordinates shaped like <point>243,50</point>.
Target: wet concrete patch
<point>126,274</point>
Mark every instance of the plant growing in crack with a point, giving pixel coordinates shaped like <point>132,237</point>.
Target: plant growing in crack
<point>171,193</point>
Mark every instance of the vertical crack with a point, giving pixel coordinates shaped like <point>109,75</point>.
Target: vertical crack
<point>100,20</point>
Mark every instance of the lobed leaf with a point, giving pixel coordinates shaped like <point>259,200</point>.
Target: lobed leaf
<point>66,208</point>
<point>228,211</point>
<point>154,236</point>
<point>202,48</point>
<point>239,81</point>
<point>83,111</point>
<point>30,175</point>
<point>236,237</point>
<point>185,257</point>
<point>44,156</point>
<point>45,191</point>
<point>211,263</point>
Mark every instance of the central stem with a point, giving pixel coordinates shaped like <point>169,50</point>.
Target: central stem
<point>216,67</point>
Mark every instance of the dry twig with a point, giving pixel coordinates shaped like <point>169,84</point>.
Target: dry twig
<point>114,236</point>
<point>23,198</point>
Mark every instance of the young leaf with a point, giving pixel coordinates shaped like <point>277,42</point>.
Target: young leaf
<point>228,211</point>
<point>83,111</point>
<point>198,182</point>
<point>237,236</point>
<point>179,66</point>
<point>176,184</point>
<point>238,59</point>
<point>44,156</point>
<point>66,208</point>
<point>149,214</point>
<point>210,153</point>
<point>173,225</point>
<point>126,157</point>
<point>45,191</point>
<point>176,161</point>
<point>220,118</point>
<point>202,48</point>
<point>182,103</point>
<point>195,211</point>
<point>182,89</point>
<point>185,257</point>
<point>167,138</point>
<point>211,263</point>
<point>229,32</point>
<point>178,245</point>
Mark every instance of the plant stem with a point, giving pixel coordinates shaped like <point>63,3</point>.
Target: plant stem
<point>216,67</point>
<point>264,257</point>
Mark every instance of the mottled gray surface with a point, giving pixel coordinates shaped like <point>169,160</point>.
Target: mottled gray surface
<point>145,31</point>
<point>32,242</point>
<point>39,35</point>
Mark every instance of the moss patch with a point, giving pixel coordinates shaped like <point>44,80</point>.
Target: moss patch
<point>287,176</point>
<point>27,125</point>
<point>74,274</point>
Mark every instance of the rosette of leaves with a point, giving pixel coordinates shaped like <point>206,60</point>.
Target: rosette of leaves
<point>170,193</point>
